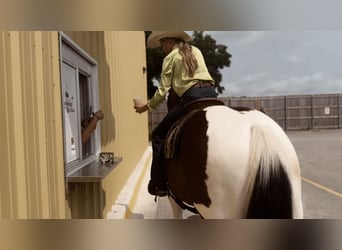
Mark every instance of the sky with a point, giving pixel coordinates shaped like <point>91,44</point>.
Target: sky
<point>268,63</point>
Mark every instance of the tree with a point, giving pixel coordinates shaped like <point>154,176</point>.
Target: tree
<point>215,55</point>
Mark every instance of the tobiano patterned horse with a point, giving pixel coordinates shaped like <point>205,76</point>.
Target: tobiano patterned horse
<point>233,163</point>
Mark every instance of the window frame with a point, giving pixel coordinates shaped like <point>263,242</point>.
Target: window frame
<point>75,57</point>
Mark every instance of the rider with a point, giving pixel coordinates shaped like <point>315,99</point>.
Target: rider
<point>184,70</point>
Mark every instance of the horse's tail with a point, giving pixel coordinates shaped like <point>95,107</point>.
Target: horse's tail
<point>269,188</point>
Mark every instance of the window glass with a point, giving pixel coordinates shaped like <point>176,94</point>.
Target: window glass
<point>71,123</point>
<point>86,109</point>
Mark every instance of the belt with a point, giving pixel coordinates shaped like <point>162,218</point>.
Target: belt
<point>201,84</point>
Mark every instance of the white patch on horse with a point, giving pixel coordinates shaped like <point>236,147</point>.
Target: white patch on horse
<point>229,164</point>
<point>227,159</point>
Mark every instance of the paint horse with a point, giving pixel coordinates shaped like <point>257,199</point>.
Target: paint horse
<point>232,163</point>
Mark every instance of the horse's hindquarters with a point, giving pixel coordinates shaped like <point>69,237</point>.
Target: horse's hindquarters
<point>216,162</point>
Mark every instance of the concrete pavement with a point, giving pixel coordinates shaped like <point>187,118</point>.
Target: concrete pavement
<point>320,156</point>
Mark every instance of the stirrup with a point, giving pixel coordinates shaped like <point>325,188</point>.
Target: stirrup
<point>154,190</point>
<point>159,194</point>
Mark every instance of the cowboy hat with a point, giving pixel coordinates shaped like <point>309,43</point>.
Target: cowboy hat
<point>155,36</point>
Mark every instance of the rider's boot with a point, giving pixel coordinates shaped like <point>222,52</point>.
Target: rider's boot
<point>157,190</point>
<point>157,185</point>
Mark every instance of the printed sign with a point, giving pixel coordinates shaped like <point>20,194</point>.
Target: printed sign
<point>68,103</point>
<point>327,110</point>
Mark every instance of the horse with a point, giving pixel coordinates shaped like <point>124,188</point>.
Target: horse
<point>228,163</point>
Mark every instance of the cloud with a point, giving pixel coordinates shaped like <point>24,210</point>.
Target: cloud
<point>293,59</point>
<point>252,78</point>
<point>282,63</point>
<point>243,38</point>
<point>262,85</point>
<point>252,37</point>
<point>294,85</point>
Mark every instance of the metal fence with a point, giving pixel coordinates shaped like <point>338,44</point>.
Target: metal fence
<point>295,112</point>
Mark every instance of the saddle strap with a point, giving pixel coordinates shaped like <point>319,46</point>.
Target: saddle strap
<point>182,204</point>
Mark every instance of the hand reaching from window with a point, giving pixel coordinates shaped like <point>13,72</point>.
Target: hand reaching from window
<point>99,114</point>
<point>89,124</point>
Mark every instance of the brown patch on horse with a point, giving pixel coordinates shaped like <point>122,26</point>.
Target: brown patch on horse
<point>174,134</point>
<point>187,170</point>
<point>172,138</point>
<point>242,109</point>
<point>202,103</point>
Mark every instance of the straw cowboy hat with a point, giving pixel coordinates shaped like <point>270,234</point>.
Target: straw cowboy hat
<point>155,36</point>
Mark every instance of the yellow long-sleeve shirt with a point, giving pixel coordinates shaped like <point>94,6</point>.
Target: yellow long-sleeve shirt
<point>174,74</point>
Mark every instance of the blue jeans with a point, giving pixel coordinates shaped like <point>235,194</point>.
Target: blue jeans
<point>158,175</point>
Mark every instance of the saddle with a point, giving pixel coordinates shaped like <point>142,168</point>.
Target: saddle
<point>172,138</point>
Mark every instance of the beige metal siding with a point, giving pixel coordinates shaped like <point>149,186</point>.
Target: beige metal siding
<point>32,162</point>
<point>121,58</point>
<point>32,177</point>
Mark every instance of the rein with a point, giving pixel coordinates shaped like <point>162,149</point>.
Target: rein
<point>182,204</point>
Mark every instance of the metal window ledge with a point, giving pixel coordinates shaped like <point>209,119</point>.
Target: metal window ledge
<point>94,172</point>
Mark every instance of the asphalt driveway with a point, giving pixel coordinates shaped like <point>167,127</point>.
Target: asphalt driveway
<point>320,156</point>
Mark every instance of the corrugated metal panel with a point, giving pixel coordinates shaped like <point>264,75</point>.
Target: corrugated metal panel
<point>54,130</point>
<point>32,165</point>
<point>121,57</point>
<point>12,183</point>
<point>32,179</point>
<point>125,61</point>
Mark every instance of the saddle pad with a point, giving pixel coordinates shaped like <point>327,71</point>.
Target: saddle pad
<point>172,138</point>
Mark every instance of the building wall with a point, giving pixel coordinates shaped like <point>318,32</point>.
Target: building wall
<point>121,58</point>
<point>32,169</point>
<point>31,173</point>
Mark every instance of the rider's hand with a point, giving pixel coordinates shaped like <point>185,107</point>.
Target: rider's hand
<point>140,108</point>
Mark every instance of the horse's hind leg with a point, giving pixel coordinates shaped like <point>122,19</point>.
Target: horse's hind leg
<point>177,211</point>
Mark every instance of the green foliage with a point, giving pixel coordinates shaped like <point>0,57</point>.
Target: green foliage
<point>215,55</point>
<point>154,60</point>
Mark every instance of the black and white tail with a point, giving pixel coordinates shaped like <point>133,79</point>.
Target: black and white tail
<point>270,189</point>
